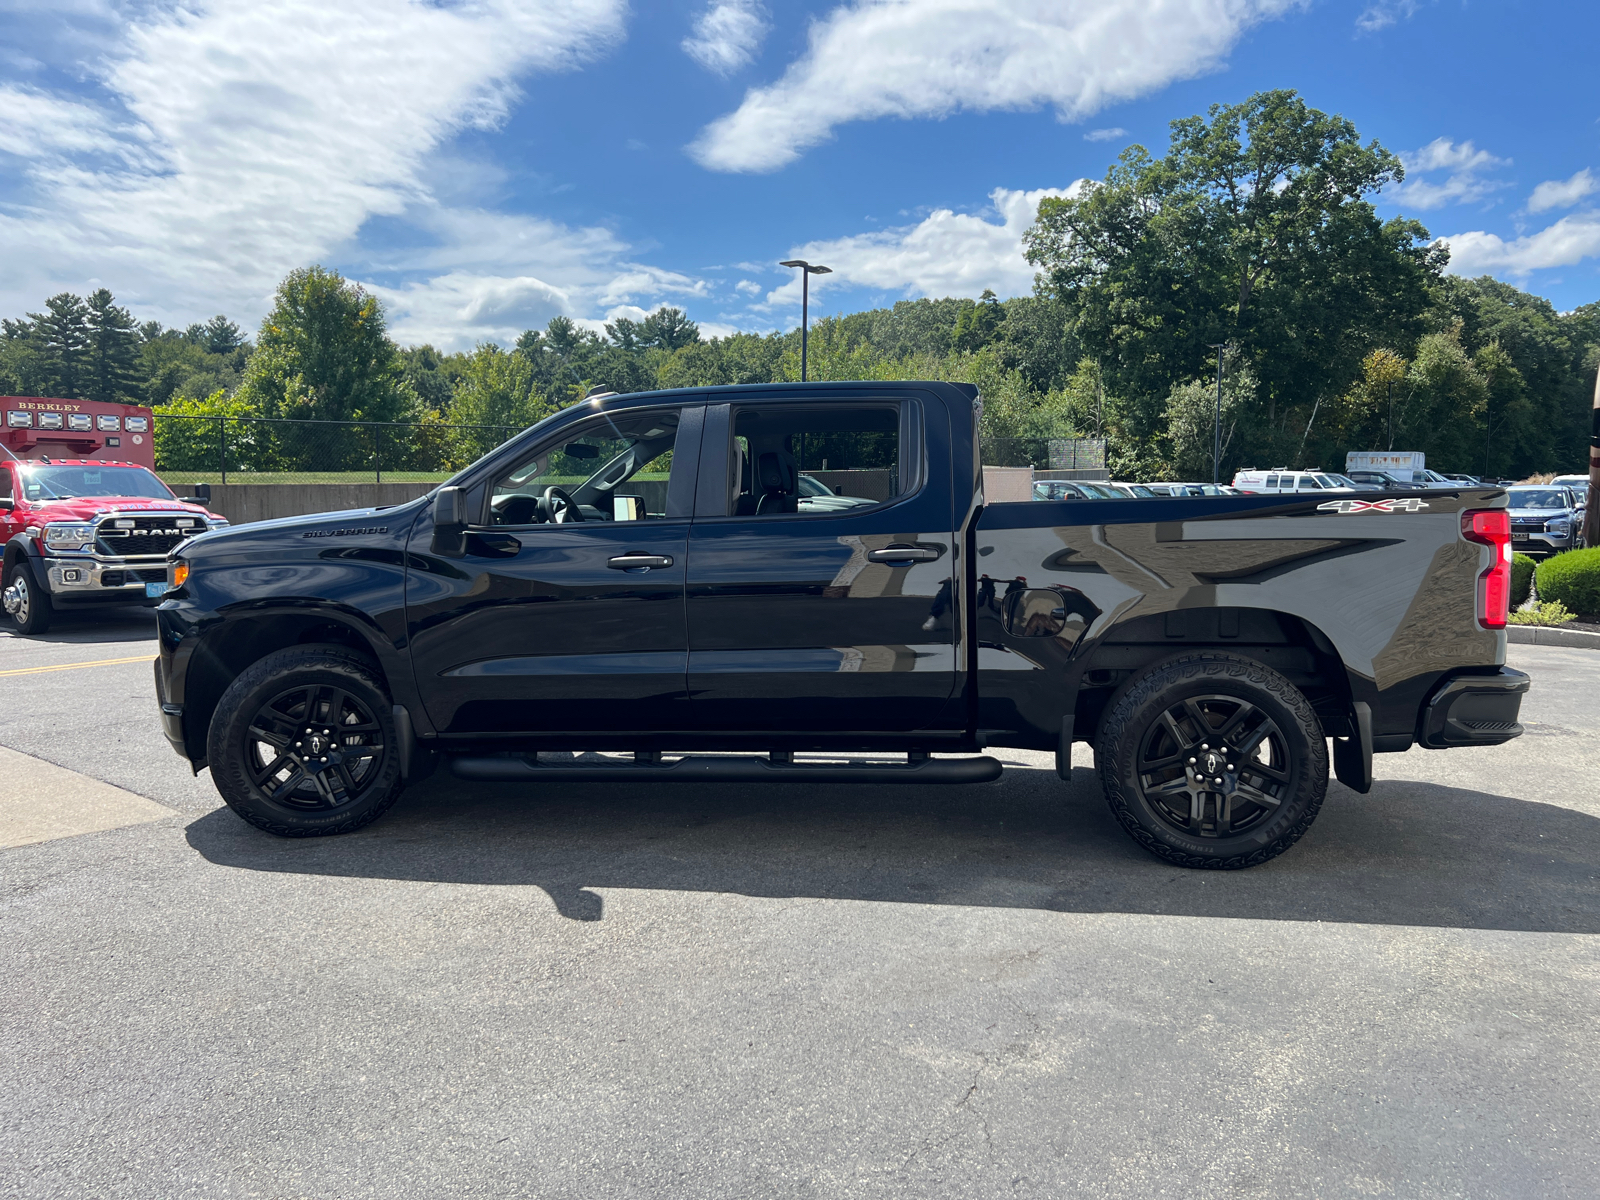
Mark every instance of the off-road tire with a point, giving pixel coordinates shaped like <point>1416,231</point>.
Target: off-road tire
<point>38,610</point>
<point>1129,725</point>
<point>230,744</point>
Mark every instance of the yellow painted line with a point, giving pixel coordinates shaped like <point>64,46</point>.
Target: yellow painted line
<point>102,662</point>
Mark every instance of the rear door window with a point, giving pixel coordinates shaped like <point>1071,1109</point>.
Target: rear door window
<point>803,460</point>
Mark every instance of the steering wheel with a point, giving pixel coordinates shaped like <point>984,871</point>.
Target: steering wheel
<point>569,510</point>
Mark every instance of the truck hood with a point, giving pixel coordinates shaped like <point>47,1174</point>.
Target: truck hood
<point>87,508</point>
<point>1542,514</point>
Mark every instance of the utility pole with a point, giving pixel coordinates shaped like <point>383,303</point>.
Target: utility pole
<point>1591,512</point>
<point>806,272</point>
<point>1216,439</point>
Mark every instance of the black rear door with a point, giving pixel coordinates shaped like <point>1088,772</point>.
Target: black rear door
<point>822,568</point>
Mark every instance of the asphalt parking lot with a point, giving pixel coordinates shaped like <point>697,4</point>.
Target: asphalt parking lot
<point>787,992</point>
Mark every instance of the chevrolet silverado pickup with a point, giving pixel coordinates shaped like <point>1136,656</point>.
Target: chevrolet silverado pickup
<point>642,577</point>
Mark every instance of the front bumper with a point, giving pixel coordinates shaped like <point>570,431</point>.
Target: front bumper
<point>1473,710</point>
<point>82,578</point>
<point>171,714</point>
<point>1532,542</point>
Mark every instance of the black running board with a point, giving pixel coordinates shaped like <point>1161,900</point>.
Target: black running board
<point>707,769</point>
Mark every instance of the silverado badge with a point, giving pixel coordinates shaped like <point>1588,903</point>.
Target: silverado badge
<point>1410,504</point>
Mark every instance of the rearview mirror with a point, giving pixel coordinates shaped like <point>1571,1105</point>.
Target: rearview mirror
<point>580,450</point>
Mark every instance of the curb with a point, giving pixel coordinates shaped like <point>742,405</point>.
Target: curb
<point>1544,635</point>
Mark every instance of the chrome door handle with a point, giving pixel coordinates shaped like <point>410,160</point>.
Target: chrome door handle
<point>639,562</point>
<point>902,556</point>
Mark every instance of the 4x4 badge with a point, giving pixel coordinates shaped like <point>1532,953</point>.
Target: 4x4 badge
<point>1409,504</point>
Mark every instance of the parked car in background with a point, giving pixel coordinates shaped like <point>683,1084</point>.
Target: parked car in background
<point>1170,488</point>
<point>1545,520</point>
<point>816,496</point>
<point>1137,490</point>
<point>1578,485</point>
<point>1076,489</point>
<point>1281,479</point>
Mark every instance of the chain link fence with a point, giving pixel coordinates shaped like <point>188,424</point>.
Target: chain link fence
<point>204,449</point>
<point>1046,454</point>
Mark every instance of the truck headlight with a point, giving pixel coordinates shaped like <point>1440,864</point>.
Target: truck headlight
<point>1559,528</point>
<point>69,537</point>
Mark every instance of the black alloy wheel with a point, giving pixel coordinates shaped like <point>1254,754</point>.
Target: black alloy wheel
<point>303,743</point>
<point>314,747</point>
<point>1214,766</point>
<point>1212,760</point>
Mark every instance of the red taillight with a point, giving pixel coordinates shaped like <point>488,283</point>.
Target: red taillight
<point>1492,527</point>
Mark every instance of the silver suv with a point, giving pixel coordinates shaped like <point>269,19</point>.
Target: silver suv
<point>1545,520</point>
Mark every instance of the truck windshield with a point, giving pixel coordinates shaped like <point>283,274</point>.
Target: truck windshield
<point>63,483</point>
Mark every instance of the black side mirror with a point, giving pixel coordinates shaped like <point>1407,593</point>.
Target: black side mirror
<point>7,504</point>
<point>450,522</point>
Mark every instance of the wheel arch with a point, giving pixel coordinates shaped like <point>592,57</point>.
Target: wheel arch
<point>1287,642</point>
<point>227,650</point>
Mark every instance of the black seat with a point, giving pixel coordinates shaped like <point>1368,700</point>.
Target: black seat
<point>777,481</point>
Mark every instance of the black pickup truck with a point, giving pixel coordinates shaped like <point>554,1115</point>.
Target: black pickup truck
<point>657,576</point>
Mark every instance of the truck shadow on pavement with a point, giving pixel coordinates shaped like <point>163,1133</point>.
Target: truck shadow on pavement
<point>1407,854</point>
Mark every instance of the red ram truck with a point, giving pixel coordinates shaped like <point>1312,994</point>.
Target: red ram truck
<point>80,524</point>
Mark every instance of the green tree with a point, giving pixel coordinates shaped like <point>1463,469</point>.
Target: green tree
<point>111,367</point>
<point>498,392</point>
<point>324,354</point>
<point>668,329</point>
<point>1254,229</point>
<point>1192,424</point>
<point>61,334</point>
<point>978,323</point>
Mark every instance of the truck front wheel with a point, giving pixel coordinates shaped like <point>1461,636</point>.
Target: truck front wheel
<point>302,744</point>
<point>1213,761</point>
<point>26,600</point>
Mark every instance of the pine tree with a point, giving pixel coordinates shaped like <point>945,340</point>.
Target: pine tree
<point>113,369</point>
<point>222,336</point>
<point>62,335</point>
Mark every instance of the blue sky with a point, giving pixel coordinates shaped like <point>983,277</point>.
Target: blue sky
<point>486,166</point>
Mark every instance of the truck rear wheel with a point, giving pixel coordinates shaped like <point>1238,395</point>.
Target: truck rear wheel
<point>303,743</point>
<point>26,600</point>
<point>1213,761</point>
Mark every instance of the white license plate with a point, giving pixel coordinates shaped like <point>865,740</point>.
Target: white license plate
<point>155,589</point>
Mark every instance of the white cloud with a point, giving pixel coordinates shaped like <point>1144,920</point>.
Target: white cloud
<point>1570,240</point>
<point>945,254</point>
<point>747,287</point>
<point>929,58</point>
<point>244,139</point>
<point>1384,14</point>
<point>488,276</point>
<point>727,35</point>
<point>1464,183</point>
<point>1105,135</point>
<point>1563,193</point>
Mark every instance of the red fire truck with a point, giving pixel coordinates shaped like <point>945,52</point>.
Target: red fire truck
<point>83,518</point>
<point>34,427</point>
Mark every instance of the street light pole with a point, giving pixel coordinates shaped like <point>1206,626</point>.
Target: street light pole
<point>806,272</point>
<point>1216,437</point>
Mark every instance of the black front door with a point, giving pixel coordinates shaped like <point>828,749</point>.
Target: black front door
<point>821,587</point>
<point>565,612</point>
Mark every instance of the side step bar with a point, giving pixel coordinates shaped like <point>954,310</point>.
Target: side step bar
<point>706,769</point>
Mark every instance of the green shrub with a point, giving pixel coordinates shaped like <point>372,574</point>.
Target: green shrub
<point>1546,612</point>
<point>1572,578</point>
<point>1521,579</point>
